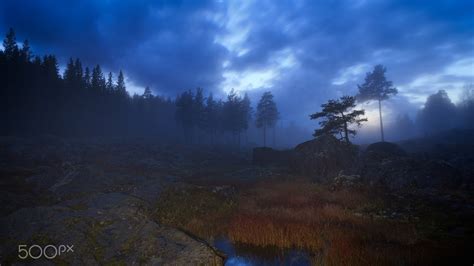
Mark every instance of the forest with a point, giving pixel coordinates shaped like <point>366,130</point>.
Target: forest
<point>82,102</point>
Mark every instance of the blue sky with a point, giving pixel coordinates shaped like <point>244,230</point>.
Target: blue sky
<point>305,52</point>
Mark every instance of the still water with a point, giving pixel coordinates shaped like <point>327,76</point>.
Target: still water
<point>243,255</point>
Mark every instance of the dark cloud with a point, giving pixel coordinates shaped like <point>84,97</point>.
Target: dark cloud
<point>168,44</point>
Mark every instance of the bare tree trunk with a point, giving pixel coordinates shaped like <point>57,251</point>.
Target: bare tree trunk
<point>274,136</point>
<point>346,134</point>
<point>264,136</point>
<point>381,123</point>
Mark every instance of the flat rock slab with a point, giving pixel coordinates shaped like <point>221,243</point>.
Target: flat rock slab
<point>104,228</point>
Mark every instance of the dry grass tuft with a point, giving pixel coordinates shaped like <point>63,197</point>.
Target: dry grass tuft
<point>310,217</point>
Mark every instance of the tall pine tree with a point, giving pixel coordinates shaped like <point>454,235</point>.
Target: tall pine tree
<point>267,114</point>
<point>376,87</point>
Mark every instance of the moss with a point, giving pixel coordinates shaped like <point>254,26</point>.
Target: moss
<point>115,262</point>
<point>96,228</point>
<point>71,222</point>
<point>41,240</point>
<point>196,210</point>
<point>78,207</point>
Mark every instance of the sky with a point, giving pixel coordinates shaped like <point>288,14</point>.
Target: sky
<point>305,52</point>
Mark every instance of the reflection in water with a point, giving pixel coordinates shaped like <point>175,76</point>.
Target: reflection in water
<point>248,255</point>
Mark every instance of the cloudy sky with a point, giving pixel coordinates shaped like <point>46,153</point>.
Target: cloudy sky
<point>305,52</point>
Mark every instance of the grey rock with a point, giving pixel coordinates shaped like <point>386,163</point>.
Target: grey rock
<point>324,157</point>
<point>109,227</point>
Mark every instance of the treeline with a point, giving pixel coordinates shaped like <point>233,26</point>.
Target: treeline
<point>438,114</point>
<point>35,99</point>
<point>207,120</point>
<point>81,102</point>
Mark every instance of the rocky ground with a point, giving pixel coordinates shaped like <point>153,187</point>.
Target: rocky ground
<point>99,197</point>
<point>136,202</point>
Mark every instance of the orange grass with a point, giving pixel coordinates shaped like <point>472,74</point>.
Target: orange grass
<point>306,216</point>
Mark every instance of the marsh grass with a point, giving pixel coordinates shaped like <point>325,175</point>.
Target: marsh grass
<point>311,217</point>
<point>335,225</point>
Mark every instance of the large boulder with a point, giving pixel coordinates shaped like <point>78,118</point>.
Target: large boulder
<point>392,169</point>
<point>324,157</point>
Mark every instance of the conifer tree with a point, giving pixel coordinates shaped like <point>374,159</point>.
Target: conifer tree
<point>98,80</point>
<point>267,114</point>
<point>147,94</point>
<point>109,85</point>
<point>10,47</point>
<point>376,87</point>
<point>25,52</point>
<point>338,115</point>
<point>120,87</point>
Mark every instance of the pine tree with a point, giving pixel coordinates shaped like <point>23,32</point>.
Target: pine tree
<point>376,87</point>
<point>10,47</point>
<point>98,80</point>
<point>50,65</point>
<point>438,113</point>
<point>198,108</point>
<point>184,112</point>
<point>69,74</point>
<point>267,114</point>
<point>109,86</point>
<point>147,94</point>
<point>78,72</point>
<point>25,52</point>
<point>120,87</point>
<point>245,112</point>
<point>232,113</point>
<point>210,121</point>
<point>337,119</point>
<point>87,78</point>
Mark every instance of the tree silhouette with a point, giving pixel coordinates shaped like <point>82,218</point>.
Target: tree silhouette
<point>81,102</point>
<point>10,48</point>
<point>245,112</point>
<point>120,87</point>
<point>25,53</point>
<point>438,113</point>
<point>184,112</point>
<point>267,114</point>
<point>98,80</point>
<point>211,117</point>
<point>109,85</point>
<point>198,109</point>
<point>147,93</point>
<point>338,116</point>
<point>231,114</point>
<point>466,106</point>
<point>87,78</point>
<point>376,87</point>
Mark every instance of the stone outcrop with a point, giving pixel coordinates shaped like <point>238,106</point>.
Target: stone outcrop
<point>324,157</point>
<point>387,165</point>
<point>97,196</point>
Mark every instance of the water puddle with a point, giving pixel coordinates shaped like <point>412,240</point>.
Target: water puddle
<point>243,255</point>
